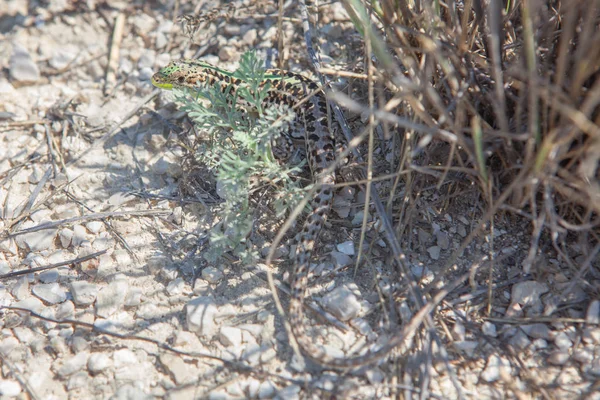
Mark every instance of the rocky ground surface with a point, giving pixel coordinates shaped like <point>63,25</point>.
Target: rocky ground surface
<point>86,167</point>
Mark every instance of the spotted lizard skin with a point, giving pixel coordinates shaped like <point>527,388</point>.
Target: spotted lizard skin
<point>289,88</point>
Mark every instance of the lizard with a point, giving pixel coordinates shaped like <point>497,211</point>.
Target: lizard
<point>289,88</point>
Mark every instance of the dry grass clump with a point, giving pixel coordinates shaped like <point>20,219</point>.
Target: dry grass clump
<point>508,95</point>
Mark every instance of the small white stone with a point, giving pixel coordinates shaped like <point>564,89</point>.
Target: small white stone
<point>346,247</point>
<point>592,315</point>
<point>494,367</point>
<point>20,290</point>
<point>118,199</point>
<point>528,293</point>
<point>134,297</point>
<point>83,292</point>
<point>49,276</point>
<point>520,340</point>
<point>291,392</point>
<point>558,358</point>
<point>591,335</point>
<point>94,226</point>
<point>584,356</point>
<point>342,303</point>
<point>111,298</point>
<point>37,241</point>
<point>253,385</point>
<point>9,344</point>
<point>200,314</point>
<point>562,341</point>
<point>266,390</point>
<point>434,252</point>
<point>230,336</point>
<point>212,274</point>
<point>539,344</point>
<point>340,259</point>
<point>443,240</point>
<point>175,286</point>
<point>467,346</point>
<point>51,293</point>
<point>80,235</point>
<point>9,388</point>
<point>22,68</point>
<point>66,236</point>
<point>79,344</point>
<point>31,303</point>
<point>537,331</point>
<point>489,329</point>
<point>65,310</point>
<point>124,358</point>
<point>74,364</point>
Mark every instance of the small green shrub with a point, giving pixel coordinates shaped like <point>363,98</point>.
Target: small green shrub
<point>239,128</point>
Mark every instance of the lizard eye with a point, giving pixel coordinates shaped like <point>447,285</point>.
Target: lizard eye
<point>180,79</point>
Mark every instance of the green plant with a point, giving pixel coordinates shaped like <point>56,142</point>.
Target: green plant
<point>239,128</point>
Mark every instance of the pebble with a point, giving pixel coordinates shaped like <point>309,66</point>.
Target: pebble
<point>434,252</point>
<point>537,331</point>
<point>562,341</point>
<point>266,390</point>
<point>37,241</point>
<point>94,226</point>
<point>250,37</point>
<point>290,392</point>
<point>467,346</point>
<point>78,380</point>
<point>527,293</point>
<point>591,335</point>
<point>584,356</point>
<point>111,298</point>
<point>443,240</point>
<point>342,303</point>
<point>48,276</point>
<point>20,290</point>
<point>346,247</point>
<point>200,313</point>
<point>558,357</point>
<point>519,340</point>
<point>212,274</point>
<point>134,297</point>
<point>340,260</point>
<point>66,236</point>
<point>80,235</point>
<point>99,362</point>
<point>175,286</point>
<point>51,293</point>
<point>63,56</point>
<point>226,53</point>
<point>342,202</point>
<point>79,344</point>
<point>9,388</point>
<point>21,66</point>
<point>124,358</point>
<point>31,303</point>
<point>489,329</point>
<point>337,12</point>
<point>592,316</point>
<point>494,368</point>
<point>73,364</point>
<point>230,336</point>
<point>65,310</point>
<point>83,292</point>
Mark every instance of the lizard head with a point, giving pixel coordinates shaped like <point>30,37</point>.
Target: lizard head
<point>180,74</point>
<point>173,75</point>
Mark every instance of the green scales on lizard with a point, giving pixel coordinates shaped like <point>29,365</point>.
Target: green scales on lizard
<point>289,88</point>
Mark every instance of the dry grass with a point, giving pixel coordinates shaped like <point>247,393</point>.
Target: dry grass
<point>508,98</point>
